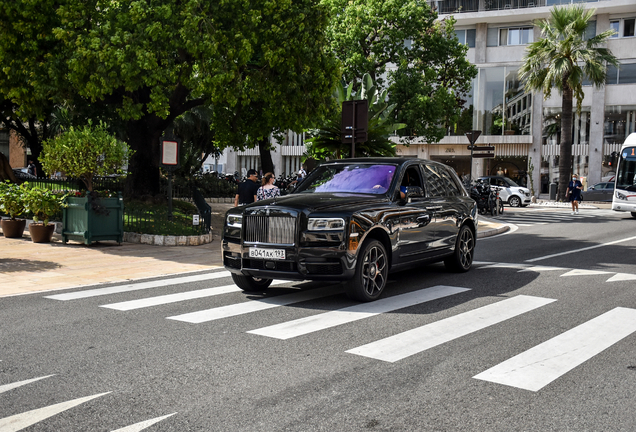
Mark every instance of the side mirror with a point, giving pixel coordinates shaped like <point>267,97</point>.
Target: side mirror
<point>414,192</point>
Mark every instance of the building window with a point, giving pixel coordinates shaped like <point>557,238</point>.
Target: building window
<point>626,74</point>
<point>467,37</point>
<point>623,27</point>
<point>515,36</point>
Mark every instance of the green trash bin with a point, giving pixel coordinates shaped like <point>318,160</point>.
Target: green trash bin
<point>88,220</point>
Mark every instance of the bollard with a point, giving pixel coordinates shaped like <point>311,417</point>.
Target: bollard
<point>553,191</point>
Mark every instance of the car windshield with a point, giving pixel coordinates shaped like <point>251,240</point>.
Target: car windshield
<point>356,178</point>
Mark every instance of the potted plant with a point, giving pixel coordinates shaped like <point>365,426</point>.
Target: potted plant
<point>11,203</point>
<point>85,153</point>
<point>43,204</point>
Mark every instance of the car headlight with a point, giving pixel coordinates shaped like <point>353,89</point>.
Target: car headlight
<point>325,224</point>
<point>234,220</point>
<point>620,196</point>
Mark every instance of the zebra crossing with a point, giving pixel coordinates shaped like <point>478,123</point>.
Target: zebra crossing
<point>18,422</point>
<point>544,217</point>
<point>530,370</point>
<point>593,336</point>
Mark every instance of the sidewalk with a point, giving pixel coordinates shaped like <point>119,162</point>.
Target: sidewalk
<point>27,267</point>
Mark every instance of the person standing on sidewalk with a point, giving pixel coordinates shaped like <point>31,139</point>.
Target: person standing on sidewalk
<point>247,190</point>
<point>574,193</point>
<point>268,189</point>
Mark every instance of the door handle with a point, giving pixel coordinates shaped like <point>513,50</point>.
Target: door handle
<point>423,220</point>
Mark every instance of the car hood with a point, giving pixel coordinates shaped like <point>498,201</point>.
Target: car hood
<point>326,202</point>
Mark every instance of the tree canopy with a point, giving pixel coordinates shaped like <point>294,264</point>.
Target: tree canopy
<point>563,58</point>
<point>402,46</point>
<point>149,61</point>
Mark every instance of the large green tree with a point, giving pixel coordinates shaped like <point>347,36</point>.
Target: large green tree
<point>405,49</point>
<point>563,58</point>
<point>150,61</point>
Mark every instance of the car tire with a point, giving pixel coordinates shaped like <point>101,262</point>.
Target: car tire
<point>372,269</point>
<point>250,283</point>
<point>514,201</point>
<point>462,258</point>
<point>634,214</point>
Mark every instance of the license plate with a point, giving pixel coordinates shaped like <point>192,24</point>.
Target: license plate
<point>274,254</point>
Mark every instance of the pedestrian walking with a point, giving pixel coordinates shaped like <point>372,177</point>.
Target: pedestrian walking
<point>32,169</point>
<point>247,189</point>
<point>267,190</point>
<point>574,193</point>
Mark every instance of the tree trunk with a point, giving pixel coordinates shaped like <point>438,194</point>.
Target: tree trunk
<point>565,148</point>
<point>143,167</point>
<point>267,165</point>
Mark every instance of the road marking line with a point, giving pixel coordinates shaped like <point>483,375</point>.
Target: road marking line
<point>137,286</point>
<point>507,265</point>
<point>143,425</point>
<point>539,366</point>
<point>20,421</point>
<point>177,297</point>
<point>335,318</point>
<point>580,250</point>
<point>420,339</point>
<point>11,386</point>
<point>621,277</point>
<point>582,272</point>
<point>254,305</point>
<point>542,268</point>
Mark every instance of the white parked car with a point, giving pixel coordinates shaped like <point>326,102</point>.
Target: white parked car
<point>510,192</point>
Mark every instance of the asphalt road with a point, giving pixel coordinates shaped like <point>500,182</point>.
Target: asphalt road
<point>539,336</point>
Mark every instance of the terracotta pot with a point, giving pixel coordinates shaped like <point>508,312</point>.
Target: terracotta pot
<point>41,233</point>
<point>13,228</point>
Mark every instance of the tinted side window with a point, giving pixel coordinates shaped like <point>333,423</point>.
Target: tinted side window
<point>451,187</point>
<point>434,181</point>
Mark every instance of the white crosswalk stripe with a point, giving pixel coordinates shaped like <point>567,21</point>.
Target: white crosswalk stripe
<point>143,425</point>
<point>207,315</point>
<point>137,286</point>
<point>539,366</point>
<point>335,318</point>
<point>530,218</point>
<point>11,386</point>
<point>420,339</point>
<point>174,298</point>
<point>20,421</point>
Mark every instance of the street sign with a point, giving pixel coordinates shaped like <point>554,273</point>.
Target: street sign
<point>355,115</point>
<point>355,122</point>
<point>360,137</point>
<point>472,136</point>
<point>483,155</point>
<point>481,148</point>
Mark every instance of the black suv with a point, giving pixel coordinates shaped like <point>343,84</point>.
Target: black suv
<point>354,220</point>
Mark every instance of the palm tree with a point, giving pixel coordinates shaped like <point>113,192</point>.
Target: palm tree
<point>563,58</point>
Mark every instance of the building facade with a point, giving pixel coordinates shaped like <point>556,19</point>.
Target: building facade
<point>11,147</point>
<point>523,126</point>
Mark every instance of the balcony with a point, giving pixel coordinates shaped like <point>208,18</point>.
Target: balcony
<point>462,6</point>
<point>444,7</point>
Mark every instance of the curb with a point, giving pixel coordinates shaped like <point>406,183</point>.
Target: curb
<point>493,232</point>
<point>161,240</point>
<point>149,239</point>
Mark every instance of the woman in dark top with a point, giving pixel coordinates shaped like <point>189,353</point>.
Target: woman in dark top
<point>574,193</point>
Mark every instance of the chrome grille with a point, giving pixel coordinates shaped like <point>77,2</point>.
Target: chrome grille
<point>270,229</point>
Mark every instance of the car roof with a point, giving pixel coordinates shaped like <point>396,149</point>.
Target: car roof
<point>380,160</point>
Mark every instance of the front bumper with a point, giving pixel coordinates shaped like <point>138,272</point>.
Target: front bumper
<point>300,263</point>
